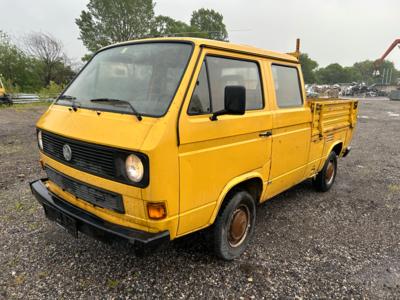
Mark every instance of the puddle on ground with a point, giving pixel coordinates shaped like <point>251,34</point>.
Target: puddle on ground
<point>392,114</point>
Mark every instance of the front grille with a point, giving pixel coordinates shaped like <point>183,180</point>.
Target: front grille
<point>103,161</point>
<point>91,194</point>
<point>85,156</point>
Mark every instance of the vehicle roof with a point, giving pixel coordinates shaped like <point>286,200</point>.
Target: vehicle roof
<point>220,45</point>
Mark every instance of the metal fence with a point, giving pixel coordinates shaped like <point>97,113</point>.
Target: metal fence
<point>30,98</point>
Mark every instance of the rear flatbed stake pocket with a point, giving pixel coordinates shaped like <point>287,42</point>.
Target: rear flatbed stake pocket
<point>193,134</point>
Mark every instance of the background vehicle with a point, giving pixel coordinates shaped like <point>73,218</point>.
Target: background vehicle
<point>4,98</point>
<point>159,138</point>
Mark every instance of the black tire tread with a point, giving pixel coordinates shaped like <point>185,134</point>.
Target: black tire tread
<point>220,246</point>
<point>319,182</point>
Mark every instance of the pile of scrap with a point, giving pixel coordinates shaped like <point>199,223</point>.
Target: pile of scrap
<point>323,91</point>
<point>361,89</point>
<point>394,95</point>
<point>345,90</point>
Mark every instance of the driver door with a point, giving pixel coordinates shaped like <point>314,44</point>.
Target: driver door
<point>212,153</point>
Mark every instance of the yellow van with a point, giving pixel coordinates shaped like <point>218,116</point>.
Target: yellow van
<point>158,138</point>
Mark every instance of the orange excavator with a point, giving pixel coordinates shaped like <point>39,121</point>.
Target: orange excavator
<point>379,61</point>
<point>394,95</point>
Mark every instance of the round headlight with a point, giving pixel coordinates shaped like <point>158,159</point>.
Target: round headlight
<point>40,140</point>
<point>134,168</point>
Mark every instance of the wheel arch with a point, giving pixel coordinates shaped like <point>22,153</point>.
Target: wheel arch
<point>337,148</point>
<point>251,182</point>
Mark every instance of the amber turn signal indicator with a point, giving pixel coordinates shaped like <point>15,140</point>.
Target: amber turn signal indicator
<point>156,211</point>
<point>41,164</point>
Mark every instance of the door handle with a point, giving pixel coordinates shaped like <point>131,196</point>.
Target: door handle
<point>266,133</point>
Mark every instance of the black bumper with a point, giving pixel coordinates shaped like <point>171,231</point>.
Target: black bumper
<point>87,223</point>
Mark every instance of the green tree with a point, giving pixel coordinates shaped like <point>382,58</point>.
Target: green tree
<point>351,75</point>
<point>387,73</point>
<point>63,73</point>
<point>52,63</point>
<point>27,71</point>
<point>110,21</point>
<point>335,73</point>
<point>329,74</point>
<point>16,68</point>
<point>209,22</point>
<point>308,67</point>
<point>166,26</point>
<point>366,69</point>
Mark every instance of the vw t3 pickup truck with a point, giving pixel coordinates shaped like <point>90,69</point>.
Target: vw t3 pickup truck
<point>158,138</point>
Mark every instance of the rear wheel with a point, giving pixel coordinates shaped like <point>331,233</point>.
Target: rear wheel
<point>234,226</point>
<point>326,177</point>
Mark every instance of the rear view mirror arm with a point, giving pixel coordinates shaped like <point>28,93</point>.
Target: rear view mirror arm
<point>218,113</point>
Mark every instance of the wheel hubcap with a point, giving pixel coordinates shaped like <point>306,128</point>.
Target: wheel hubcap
<point>330,173</point>
<point>239,226</point>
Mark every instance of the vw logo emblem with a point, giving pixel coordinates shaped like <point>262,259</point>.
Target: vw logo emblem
<point>67,152</point>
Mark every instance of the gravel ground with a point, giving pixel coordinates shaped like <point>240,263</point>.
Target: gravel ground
<point>340,244</point>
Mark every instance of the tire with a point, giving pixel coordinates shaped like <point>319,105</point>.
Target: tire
<point>326,177</point>
<point>6,100</point>
<point>234,226</point>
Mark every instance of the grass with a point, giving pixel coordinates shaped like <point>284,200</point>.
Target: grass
<point>19,206</point>
<point>394,188</point>
<point>112,283</point>
<point>25,105</point>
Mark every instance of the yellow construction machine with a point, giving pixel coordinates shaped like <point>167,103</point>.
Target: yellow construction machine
<point>4,98</point>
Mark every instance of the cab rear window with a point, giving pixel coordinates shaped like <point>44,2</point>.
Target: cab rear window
<point>287,86</point>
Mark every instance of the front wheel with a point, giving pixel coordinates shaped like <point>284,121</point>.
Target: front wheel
<point>234,226</point>
<point>326,177</point>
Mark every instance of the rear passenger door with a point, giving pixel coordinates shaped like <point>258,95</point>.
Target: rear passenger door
<point>212,153</point>
<point>291,132</point>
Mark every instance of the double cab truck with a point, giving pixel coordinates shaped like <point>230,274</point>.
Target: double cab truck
<point>159,138</point>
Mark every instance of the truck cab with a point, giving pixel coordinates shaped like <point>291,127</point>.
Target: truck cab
<point>158,138</point>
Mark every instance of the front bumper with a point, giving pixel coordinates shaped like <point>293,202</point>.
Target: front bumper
<point>79,220</point>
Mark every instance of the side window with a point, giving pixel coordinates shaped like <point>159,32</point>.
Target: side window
<point>200,102</point>
<point>225,71</point>
<point>287,86</point>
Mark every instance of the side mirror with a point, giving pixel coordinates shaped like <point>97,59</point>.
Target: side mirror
<point>234,102</point>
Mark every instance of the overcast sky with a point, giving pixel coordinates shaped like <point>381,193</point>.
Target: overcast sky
<point>343,31</point>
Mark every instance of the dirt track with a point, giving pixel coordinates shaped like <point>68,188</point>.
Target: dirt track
<point>344,243</point>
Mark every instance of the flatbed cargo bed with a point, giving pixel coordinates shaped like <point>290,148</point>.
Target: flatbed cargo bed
<point>331,114</point>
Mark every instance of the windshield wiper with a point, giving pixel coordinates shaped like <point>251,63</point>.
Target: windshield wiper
<point>69,98</point>
<point>108,100</point>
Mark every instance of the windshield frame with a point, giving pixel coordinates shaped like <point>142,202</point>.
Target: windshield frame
<point>191,43</point>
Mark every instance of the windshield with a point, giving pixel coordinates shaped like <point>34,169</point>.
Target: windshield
<point>146,75</point>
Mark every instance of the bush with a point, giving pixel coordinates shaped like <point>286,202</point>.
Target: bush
<point>11,88</point>
<point>51,91</point>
